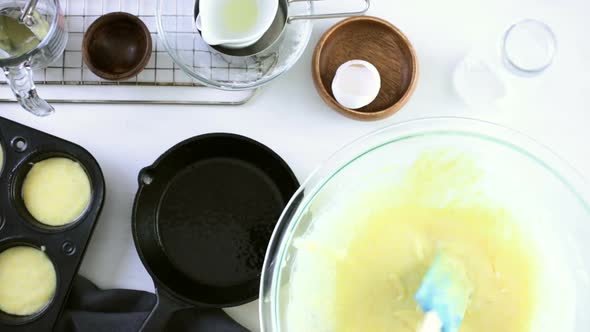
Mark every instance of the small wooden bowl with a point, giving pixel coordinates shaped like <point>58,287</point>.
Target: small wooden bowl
<point>117,46</point>
<point>378,42</point>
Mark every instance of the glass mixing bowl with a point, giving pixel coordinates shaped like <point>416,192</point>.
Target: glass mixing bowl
<point>208,66</point>
<point>543,193</point>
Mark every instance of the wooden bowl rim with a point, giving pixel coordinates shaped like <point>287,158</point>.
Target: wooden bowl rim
<point>327,97</point>
<point>92,29</point>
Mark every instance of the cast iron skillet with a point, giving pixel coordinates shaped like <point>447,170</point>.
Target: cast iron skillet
<point>202,219</point>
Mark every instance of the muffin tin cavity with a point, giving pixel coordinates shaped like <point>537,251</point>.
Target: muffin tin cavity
<point>28,280</point>
<point>56,223</point>
<point>53,189</point>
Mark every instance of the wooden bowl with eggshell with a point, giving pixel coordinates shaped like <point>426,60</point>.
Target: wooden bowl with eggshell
<point>377,42</point>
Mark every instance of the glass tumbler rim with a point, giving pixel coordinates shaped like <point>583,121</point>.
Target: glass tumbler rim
<point>518,68</point>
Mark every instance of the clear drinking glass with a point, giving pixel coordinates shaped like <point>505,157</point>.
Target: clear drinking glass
<point>48,18</point>
<point>528,47</point>
<point>483,76</point>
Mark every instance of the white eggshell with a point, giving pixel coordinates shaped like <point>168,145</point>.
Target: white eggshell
<point>356,84</point>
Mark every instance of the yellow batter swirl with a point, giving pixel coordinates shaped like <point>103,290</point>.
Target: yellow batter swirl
<point>386,261</point>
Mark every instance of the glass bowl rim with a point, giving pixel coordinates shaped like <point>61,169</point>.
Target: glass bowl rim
<point>229,86</point>
<point>515,140</point>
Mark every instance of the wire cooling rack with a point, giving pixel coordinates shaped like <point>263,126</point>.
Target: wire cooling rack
<point>161,82</point>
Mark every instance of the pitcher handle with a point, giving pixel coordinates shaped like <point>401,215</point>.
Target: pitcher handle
<point>20,79</point>
<point>329,15</point>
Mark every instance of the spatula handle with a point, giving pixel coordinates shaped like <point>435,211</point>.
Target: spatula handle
<point>431,323</point>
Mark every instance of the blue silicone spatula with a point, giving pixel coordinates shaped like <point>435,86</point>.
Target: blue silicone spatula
<point>444,294</point>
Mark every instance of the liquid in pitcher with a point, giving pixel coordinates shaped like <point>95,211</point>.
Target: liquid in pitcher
<point>16,38</point>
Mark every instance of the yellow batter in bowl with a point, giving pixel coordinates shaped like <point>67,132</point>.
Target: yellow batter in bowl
<point>354,243</point>
<point>387,261</point>
<point>436,206</point>
<point>56,191</point>
<point>27,280</point>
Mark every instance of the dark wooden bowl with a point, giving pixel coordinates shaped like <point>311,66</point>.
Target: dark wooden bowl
<point>378,42</point>
<point>117,46</point>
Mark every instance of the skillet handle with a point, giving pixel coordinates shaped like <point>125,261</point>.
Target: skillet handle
<point>215,320</point>
<point>165,307</point>
<point>204,320</point>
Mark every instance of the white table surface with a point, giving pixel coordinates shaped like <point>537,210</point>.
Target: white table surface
<point>290,117</point>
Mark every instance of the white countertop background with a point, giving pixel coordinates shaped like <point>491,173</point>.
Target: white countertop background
<point>290,117</point>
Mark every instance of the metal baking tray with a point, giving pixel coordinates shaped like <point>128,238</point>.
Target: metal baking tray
<point>65,246</point>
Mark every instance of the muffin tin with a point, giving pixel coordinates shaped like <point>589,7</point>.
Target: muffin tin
<point>65,245</point>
